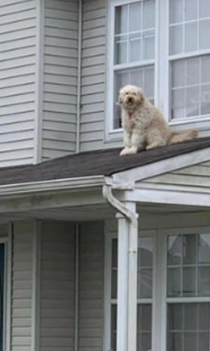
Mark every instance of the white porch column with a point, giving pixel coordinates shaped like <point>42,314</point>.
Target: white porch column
<point>127,282</point>
<point>122,284</point>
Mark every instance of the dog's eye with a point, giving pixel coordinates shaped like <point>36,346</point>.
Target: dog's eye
<point>134,94</point>
<point>126,93</point>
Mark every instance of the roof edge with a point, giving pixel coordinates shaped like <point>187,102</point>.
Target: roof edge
<point>140,173</point>
<point>51,185</point>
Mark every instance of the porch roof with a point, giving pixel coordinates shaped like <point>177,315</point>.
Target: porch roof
<point>95,163</point>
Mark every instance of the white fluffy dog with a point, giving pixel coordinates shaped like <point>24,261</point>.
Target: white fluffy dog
<point>144,125</point>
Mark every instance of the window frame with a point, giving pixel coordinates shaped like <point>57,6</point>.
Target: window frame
<point>162,70</point>
<point>159,298</point>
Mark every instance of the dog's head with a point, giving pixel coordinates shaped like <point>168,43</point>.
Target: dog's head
<point>131,97</point>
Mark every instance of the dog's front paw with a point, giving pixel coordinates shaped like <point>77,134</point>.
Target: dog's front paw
<point>124,151</point>
<point>129,151</point>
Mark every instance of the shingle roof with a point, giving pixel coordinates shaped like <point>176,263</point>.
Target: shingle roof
<point>101,162</point>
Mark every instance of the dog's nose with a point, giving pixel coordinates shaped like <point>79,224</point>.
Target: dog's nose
<point>130,99</point>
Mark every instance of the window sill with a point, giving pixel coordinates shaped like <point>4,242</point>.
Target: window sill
<point>179,126</point>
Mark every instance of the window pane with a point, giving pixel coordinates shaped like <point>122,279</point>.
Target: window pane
<point>189,249</point>
<point>145,252</point>
<point>192,67</point>
<point>204,34</point>
<point>178,74</point>
<point>204,8</point>
<point>190,317</point>
<point>191,32</point>
<point>145,264</point>
<point>174,341</point>
<point>190,342</point>
<point>135,47</point>
<point>204,281</point>
<point>176,39</point>
<point>204,248</point>
<point>113,327</point>
<point>121,19</point>
<point>145,283</point>
<point>184,328</point>
<point>174,282</point>
<point>121,50</point>
<point>191,10</point>
<point>144,327</point>
<point>205,73</point>
<point>192,101</point>
<point>204,341</point>
<point>189,282</point>
<point>148,46</point>
<point>205,99</point>
<point>204,317</point>
<point>148,14</point>
<point>174,250</point>
<point>135,17</point>
<point>178,103</point>
<point>176,11</point>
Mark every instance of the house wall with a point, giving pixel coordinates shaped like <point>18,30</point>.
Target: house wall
<point>43,304</point>
<point>17,81</point>
<point>57,286</point>
<point>60,78</point>
<point>22,293</point>
<point>38,79</point>
<point>91,282</point>
<point>197,175</point>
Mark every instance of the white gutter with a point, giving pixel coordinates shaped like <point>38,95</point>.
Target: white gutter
<point>51,185</point>
<point>132,219</point>
<point>79,64</point>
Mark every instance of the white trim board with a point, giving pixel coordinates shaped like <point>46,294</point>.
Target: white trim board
<point>160,167</point>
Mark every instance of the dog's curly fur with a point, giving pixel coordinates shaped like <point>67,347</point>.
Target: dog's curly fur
<point>143,123</point>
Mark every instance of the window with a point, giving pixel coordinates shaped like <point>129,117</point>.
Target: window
<point>164,47</point>
<point>188,278</point>
<point>182,263</point>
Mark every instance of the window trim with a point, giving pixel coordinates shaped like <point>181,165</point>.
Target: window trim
<point>162,66</point>
<point>159,299</point>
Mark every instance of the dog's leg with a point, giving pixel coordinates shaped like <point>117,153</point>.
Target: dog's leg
<point>137,143</point>
<point>127,144</point>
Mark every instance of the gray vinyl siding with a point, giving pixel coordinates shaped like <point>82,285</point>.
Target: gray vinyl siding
<point>197,175</point>
<point>21,287</point>
<point>60,78</point>
<point>93,75</point>
<point>17,81</point>
<point>91,298</point>
<point>57,287</point>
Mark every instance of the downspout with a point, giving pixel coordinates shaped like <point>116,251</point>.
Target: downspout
<point>132,217</point>
<point>76,292</point>
<point>79,64</point>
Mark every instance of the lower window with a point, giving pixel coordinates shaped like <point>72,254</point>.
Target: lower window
<point>185,311</point>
